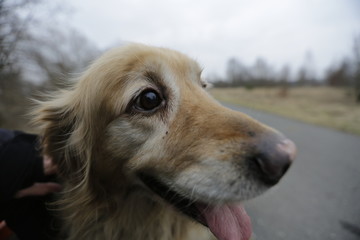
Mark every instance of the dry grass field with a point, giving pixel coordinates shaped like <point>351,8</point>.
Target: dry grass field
<point>330,107</point>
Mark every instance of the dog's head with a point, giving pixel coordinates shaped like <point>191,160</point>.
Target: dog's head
<point>140,115</point>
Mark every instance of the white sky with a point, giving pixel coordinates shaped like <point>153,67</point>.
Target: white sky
<point>212,31</point>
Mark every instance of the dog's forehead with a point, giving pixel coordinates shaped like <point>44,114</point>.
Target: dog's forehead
<point>135,67</point>
<point>169,64</point>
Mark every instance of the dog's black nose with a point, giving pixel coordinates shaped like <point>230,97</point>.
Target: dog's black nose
<point>272,161</point>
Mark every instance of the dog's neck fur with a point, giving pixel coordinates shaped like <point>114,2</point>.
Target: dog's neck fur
<point>132,216</point>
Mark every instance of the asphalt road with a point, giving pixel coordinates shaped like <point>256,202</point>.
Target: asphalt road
<point>319,197</point>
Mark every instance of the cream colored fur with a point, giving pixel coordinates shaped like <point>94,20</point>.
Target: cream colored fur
<point>100,146</point>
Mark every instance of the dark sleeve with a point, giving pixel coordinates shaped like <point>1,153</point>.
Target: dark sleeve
<point>20,165</point>
<point>6,136</point>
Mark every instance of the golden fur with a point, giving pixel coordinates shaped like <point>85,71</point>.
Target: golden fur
<point>100,143</point>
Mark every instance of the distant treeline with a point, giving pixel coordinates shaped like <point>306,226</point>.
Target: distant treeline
<point>261,74</point>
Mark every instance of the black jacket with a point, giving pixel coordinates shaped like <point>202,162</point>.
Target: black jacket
<point>20,167</point>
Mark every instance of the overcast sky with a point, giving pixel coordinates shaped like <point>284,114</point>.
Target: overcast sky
<point>212,31</point>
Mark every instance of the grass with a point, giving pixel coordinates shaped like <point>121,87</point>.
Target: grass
<point>325,106</point>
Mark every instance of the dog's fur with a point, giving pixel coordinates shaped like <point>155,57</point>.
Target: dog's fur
<point>100,143</point>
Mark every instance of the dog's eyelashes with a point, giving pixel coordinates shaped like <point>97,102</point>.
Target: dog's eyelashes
<point>148,100</point>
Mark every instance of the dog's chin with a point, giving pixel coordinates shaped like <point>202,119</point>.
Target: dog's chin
<point>226,221</point>
<point>185,205</point>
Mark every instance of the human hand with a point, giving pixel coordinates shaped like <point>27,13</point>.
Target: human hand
<point>39,189</point>
<point>49,167</point>
<point>2,225</point>
<point>42,189</point>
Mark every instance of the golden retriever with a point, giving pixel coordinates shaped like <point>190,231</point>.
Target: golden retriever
<point>146,153</point>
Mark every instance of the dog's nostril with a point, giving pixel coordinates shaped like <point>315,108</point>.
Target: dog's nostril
<point>272,164</point>
<point>271,170</point>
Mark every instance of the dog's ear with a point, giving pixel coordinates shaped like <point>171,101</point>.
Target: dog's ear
<point>59,130</point>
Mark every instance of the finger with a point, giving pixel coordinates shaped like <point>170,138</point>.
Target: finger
<point>49,167</point>
<point>2,224</point>
<point>39,189</point>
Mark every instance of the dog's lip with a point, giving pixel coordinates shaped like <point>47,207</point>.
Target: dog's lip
<point>226,221</point>
<point>185,205</point>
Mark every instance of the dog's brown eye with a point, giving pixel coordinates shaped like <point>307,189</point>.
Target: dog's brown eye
<point>148,100</point>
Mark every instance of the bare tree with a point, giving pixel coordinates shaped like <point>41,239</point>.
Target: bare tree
<point>235,72</point>
<point>13,29</point>
<point>338,75</point>
<point>53,62</point>
<point>238,74</point>
<point>306,73</point>
<point>262,73</point>
<point>284,81</point>
<point>26,55</point>
<point>356,75</point>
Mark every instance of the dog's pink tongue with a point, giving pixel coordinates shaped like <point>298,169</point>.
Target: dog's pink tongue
<point>228,222</point>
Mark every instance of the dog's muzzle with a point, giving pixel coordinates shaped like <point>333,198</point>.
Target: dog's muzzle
<point>272,158</point>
